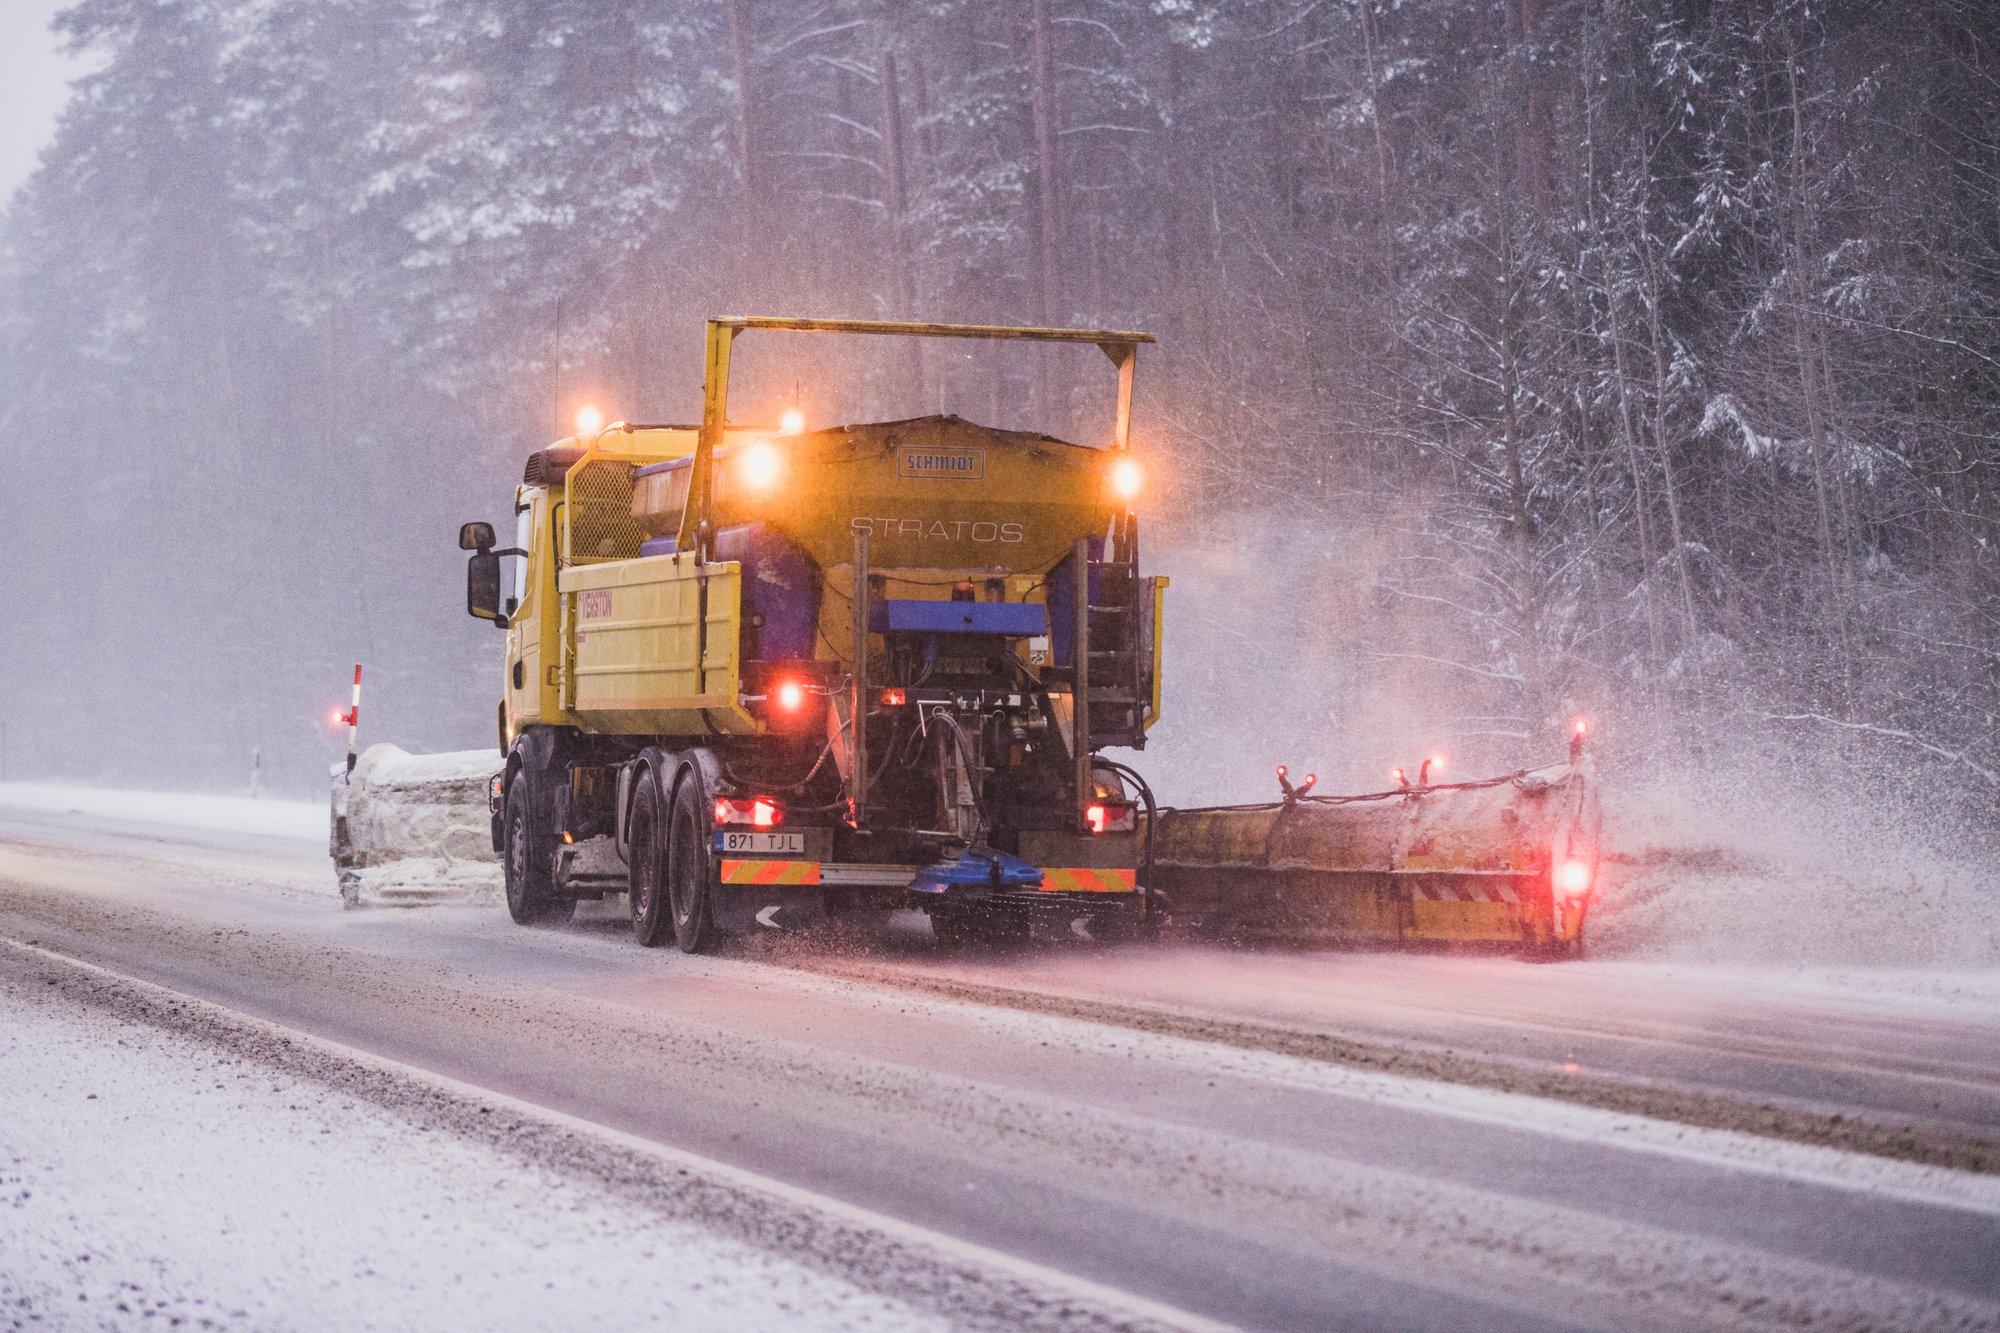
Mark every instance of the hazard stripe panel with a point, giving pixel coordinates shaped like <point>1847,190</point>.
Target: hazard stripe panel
<point>770,872</point>
<point>1081,880</point>
<point>1465,893</point>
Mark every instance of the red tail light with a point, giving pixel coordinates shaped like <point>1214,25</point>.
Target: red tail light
<point>1102,817</point>
<point>1572,878</point>
<point>755,811</point>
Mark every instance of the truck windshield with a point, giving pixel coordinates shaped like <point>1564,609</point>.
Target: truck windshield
<point>524,533</point>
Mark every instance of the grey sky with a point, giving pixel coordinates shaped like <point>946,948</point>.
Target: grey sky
<point>34,78</point>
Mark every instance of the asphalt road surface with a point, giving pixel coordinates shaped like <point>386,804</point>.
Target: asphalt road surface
<point>1166,1136</point>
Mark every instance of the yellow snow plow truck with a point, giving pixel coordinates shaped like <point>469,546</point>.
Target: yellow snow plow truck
<point>766,676</point>
<point>769,676</point>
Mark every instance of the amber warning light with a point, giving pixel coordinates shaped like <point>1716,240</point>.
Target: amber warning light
<point>1127,478</point>
<point>761,465</point>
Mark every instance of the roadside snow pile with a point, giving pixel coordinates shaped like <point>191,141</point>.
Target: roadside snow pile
<point>179,810</point>
<point>1698,875</point>
<point>412,828</point>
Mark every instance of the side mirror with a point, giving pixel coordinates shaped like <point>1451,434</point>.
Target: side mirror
<point>475,537</point>
<point>482,587</point>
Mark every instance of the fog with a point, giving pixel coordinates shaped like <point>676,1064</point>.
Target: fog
<point>1518,360</point>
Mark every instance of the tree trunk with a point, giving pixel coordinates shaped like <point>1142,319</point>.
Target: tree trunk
<point>1047,112</point>
<point>746,134</point>
<point>896,203</point>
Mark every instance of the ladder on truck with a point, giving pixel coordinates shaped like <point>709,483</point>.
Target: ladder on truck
<point>1120,642</point>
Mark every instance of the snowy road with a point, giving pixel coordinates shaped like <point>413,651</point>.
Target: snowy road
<point>1259,1139</point>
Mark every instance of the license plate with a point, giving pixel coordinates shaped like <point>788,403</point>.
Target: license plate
<point>762,844</point>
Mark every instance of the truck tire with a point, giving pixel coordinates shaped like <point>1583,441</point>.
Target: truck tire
<point>531,889</point>
<point>688,867</point>
<point>652,917</point>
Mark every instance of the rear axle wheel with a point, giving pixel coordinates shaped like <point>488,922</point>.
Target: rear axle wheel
<point>648,895</point>
<point>688,868</point>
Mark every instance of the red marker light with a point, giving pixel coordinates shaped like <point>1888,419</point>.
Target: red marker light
<point>894,697</point>
<point>790,696</point>
<point>1583,726</point>
<point>756,811</point>
<point>1109,817</point>
<point>1573,878</point>
<point>338,717</point>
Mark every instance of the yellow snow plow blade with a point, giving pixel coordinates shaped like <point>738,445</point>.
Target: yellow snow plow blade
<point>1509,861</point>
<point>414,828</point>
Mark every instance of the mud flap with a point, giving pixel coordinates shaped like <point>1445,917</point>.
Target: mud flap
<point>762,908</point>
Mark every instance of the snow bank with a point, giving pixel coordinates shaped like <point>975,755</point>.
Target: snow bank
<point>1705,871</point>
<point>180,810</point>
<point>415,828</point>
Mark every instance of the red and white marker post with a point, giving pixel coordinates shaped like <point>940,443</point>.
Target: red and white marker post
<point>354,717</point>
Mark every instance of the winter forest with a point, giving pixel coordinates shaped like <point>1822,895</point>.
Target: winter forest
<point>1519,358</point>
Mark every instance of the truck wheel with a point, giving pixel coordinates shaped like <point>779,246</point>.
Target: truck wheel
<point>688,869</point>
<point>531,889</point>
<point>651,915</point>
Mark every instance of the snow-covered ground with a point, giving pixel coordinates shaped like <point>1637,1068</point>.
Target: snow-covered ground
<point>149,1177</point>
<point>172,810</point>
<point>164,1163</point>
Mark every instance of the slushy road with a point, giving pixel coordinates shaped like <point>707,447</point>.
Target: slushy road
<point>1261,1139</point>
